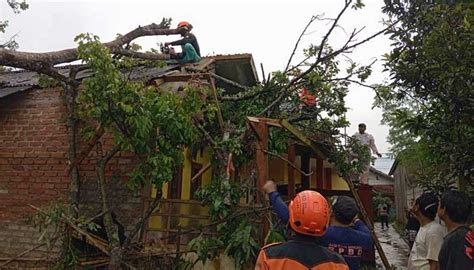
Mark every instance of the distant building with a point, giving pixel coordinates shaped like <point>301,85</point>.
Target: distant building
<point>384,164</point>
<point>405,192</point>
<point>382,183</point>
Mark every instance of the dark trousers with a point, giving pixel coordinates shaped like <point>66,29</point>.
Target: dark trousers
<point>384,220</point>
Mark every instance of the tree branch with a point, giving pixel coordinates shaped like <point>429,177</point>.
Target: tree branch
<point>154,205</point>
<point>313,18</point>
<point>38,61</point>
<point>287,161</point>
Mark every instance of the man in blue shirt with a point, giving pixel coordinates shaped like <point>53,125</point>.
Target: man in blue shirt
<point>347,235</point>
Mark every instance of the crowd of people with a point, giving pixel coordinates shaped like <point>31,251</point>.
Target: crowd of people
<point>327,234</point>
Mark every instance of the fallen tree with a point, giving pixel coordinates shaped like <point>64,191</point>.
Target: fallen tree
<point>151,124</point>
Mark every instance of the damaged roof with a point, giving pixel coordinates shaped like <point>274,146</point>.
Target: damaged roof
<point>238,67</point>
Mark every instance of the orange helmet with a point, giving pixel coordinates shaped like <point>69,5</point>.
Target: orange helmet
<point>309,213</point>
<point>184,24</point>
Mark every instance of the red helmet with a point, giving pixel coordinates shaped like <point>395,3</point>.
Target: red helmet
<point>184,24</point>
<point>309,213</point>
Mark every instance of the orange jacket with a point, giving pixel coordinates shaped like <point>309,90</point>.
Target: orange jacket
<point>299,253</point>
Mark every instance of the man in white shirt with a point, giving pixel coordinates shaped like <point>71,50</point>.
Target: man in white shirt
<point>366,139</point>
<point>428,242</point>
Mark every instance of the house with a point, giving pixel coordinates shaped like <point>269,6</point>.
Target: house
<point>382,183</point>
<point>34,151</point>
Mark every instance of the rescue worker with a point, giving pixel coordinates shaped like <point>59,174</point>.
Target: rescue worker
<point>308,220</point>
<point>346,235</point>
<point>189,45</point>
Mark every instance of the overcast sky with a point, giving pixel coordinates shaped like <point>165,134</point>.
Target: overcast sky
<point>266,29</point>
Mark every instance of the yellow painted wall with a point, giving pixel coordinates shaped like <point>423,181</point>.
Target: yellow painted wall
<point>338,183</point>
<point>278,170</point>
<point>202,157</point>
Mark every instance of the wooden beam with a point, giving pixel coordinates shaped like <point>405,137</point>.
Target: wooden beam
<point>261,156</point>
<point>216,100</point>
<point>269,121</point>
<point>291,171</point>
<point>301,137</point>
<point>368,222</point>
<point>327,178</point>
<point>185,77</point>
<point>201,172</point>
<point>319,173</point>
<point>305,166</point>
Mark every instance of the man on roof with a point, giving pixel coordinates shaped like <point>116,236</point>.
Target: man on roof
<point>189,45</point>
<point>367,139</point>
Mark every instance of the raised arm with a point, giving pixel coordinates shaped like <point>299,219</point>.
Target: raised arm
<point>279,206</point>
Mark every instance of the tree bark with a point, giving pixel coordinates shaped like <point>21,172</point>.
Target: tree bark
<point>141,223</point>
<point>74,185</point>
<point>110,227</point>
<point>41,62</point>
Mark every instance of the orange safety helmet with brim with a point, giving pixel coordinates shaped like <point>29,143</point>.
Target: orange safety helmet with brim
<point>184,25</point>
<point>309,213</point>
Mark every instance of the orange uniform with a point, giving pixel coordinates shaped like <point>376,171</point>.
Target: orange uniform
<point>299,253</point>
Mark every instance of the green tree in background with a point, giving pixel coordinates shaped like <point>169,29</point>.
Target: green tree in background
<point>429,101</point>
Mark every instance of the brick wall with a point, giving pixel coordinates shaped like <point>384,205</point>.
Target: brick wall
<point>33,156</point>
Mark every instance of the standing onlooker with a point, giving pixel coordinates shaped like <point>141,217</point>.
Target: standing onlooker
<point>366,139</point>
<point>411,228</point>
<point>425,251</point>
<point>383,214</point>
<point>457,251</point>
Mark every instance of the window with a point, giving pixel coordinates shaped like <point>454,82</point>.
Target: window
<point>195,168</point>
<point>174,190</point>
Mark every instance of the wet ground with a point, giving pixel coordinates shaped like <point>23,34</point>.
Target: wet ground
<point>396,249</point>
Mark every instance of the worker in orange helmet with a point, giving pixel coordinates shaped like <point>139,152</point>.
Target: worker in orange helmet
<point>307,98</point>
<point>189,45</point>
<point>308,220</point>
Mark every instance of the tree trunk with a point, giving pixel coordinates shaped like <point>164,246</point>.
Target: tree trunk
<point>74,185</point>
<point>111,229</point>
<point>116,258</point>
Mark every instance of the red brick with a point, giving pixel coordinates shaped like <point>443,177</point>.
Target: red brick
<point>50,173</point>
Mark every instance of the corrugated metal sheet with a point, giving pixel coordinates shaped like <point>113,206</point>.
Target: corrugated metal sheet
<point>16,81</point>
<point>11,90</point>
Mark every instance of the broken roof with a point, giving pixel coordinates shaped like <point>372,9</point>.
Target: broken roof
<point>238,67</point>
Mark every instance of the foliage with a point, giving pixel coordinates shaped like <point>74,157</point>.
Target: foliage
<point>235,234</point>
<point>51,223</point>
<point>221,196</point>
<point>429,101</point>
<point>154,125</point>
<point>325,76</point>
<point>46,81</point>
